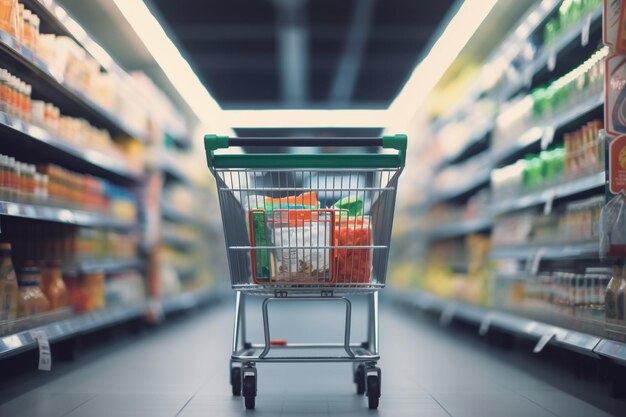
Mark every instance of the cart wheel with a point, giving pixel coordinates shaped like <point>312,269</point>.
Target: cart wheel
<point>373,391</point>
<point>235,380</point>
<point>359,379</point>
<point>249,391</point>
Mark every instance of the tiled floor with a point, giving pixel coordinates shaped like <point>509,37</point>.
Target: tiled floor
<point>182,371</point>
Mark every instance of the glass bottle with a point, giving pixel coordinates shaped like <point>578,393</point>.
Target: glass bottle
<point>8,284</point>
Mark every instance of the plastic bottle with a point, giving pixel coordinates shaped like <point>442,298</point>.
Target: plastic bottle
<point>620,300</point>
<point>610,298</point>
<point>8,284</point>
<point>53,285</point>
<point>30,278</point>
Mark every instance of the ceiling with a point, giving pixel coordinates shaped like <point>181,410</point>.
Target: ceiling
<point>302,53</point>
<point>255,54</point>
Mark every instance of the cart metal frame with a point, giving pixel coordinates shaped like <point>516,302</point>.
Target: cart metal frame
<point>245,355</point>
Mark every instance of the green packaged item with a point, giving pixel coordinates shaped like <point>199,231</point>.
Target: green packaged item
<point>532,173</point>
<point>352,204</point>
<point>262,262</point>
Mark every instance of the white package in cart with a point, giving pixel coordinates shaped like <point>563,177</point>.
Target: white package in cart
<point>303,245</point>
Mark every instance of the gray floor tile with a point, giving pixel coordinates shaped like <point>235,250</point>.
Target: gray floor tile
<point>563,404</point>
<point>184,369</point>
<point>43,404</point>
<point>130,404</point>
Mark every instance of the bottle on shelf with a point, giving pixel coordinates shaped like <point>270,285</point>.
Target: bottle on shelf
<point>52,284</point>
<point>32,299</point>
<point>620,300</point>
<point>8,285</point>
<point>610,297</point>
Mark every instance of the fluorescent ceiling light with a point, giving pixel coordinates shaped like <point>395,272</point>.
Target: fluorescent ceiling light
<point>169,58</point>
<point>429,71</point>
<point>305,118</point>
<point>423,79</point>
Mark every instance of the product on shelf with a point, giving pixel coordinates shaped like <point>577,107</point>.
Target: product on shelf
<point>580,223</point>
<point>582,154</point>
<point>15,96</point>
<point>571,13</point>
<point>8,285</point>
<point>52,284</point>
<point>125,288</point>
<point>616,297</point>
<point>569,288</point>
<point>86,291</point>
<point>584,150</point>
<point>583,83</point>
<point>84,191</point>
<point>32,299</point>
<point>69,62</point>
<point>573,222</point>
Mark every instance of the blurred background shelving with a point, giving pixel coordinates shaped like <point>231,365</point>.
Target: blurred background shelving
<point>100,171</point>
<point>507,228</point>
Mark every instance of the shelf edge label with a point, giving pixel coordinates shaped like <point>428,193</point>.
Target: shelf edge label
<point>45,354</point>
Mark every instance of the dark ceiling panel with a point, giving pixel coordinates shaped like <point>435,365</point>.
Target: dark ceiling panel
<point>233,45</point>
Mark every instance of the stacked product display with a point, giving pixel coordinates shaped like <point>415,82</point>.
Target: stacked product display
<point>534,175</point>
<point>76,167</point>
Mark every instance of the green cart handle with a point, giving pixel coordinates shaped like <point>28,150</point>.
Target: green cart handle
<point>312,161</point>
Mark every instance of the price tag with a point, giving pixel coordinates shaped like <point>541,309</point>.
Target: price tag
<point>45,355</point>
<point>547,209</point>
<point>528,75</point>
<point>485,324</point>
<point>551,60</point>
<point>155,310</point>
<point>447,315</point>
<point>536,261</point>
<point>584,34</point>
<point>547,137</point>
<point>545,339</point>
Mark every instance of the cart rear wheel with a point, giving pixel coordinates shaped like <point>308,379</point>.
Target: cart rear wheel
<point>359,379</point>
<point>235,380</point>
<point>373,391</point>
<point>249,391</point>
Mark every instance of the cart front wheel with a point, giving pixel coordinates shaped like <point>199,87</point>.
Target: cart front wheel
<point>359,379</point>
<point>249,391</point>
<point>235,380</point>
<point>373,391</point>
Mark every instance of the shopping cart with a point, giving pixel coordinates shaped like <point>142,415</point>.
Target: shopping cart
<point>307,227</point>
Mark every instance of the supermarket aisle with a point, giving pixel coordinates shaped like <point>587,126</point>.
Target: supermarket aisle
<point>181,371</point>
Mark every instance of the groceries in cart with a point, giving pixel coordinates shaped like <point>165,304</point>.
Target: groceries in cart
<point>296,240</point>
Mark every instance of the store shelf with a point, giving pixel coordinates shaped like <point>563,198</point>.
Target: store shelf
<point>18,133</point>
<point>85,323</point>
<point>473,139</point>
<point>186,301</point>
<point>589,250</point>
<point>611,349</point>
<point>580,185</point>
<point>488,318</point>
<point>109,266</point>
<point>460,228</point>
<point>544,131</point>
<point>571,38</point>
<point>171,213</point>
<point>71,327</point>
<point>172,170</point>
<point>170,238</point>
<point>478,180</point>
<point>49,22</point>
<point>22,61</point>
<point>63,215</point>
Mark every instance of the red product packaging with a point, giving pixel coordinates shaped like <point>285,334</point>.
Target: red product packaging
<point>353,265</point>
